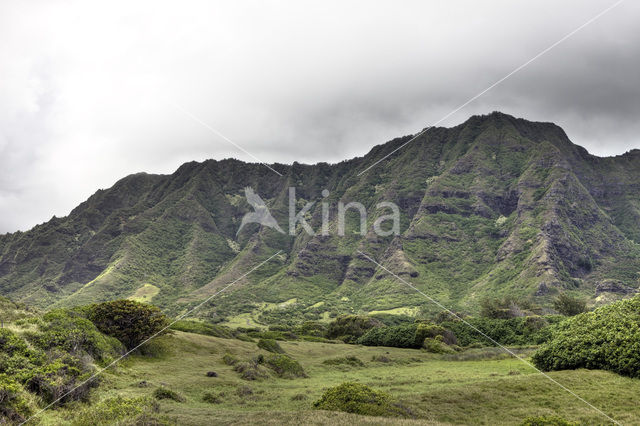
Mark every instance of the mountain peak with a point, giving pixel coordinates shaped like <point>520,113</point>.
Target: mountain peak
<point>486,209</point>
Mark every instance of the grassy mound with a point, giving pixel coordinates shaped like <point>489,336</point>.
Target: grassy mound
<point>284,366</point>
<point>164,393</point>
<point>201,327</point>
<point>117,410</point>
<point>270,345</point>
<point>351,360</point>
<point>607,338</point>
<point>360,399</point>
<point>251,370</point>
<point>49,359</point>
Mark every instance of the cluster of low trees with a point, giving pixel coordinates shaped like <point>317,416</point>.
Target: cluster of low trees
<point>51,358</point>
<point>513,307</point>
<point>607,338</point>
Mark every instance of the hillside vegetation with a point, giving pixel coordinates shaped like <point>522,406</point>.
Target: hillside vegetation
<point>485,388</point>
<point>356,369</point>
<point>496,206</point>
<point>607,338</point>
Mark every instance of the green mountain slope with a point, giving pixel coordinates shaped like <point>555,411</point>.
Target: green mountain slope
<point>494,206</point>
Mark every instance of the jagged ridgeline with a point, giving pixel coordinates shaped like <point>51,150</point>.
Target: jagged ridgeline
<point>496,206</point>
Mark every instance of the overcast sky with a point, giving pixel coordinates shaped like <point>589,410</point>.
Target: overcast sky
<point>88,90</point>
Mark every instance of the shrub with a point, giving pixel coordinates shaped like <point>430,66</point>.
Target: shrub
<point>569,305</point>
<point>270,345</point>
<point>349,328</point>
<point>59,380</point>
<point>312,328</point>
<point>165,393</point>
<point>212,398</point>
<point>285,366</point>
<point>436,346</point>
<point>64,347</point>
<point>11,344</point>
<point>547,421</point>
<point>401,336</point>
<point>128,321</point>
<point>607,338</point>
<point>230,359</point>
<point>359,399</point>
<point>13,404</point>
<point>427,330</point>
<point>406,335</point>
<point>71,332</point>
<point>347,360</point>
<point>250,370</point>
<point>532,330</point>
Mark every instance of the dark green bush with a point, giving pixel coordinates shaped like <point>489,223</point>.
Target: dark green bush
<point>569,305</point>
<point>436,346</point>
<point>349,328</point>
<point>285,366</point>
<point>406,335</point>
<point>607,338</point>
<point>165,393</point>
<point>128,321</point>
<point>401,336</point>
<point>360,399</point>
<point>532,330</point>
<point>270,345</point>
<point>250,370</point>
<point>311,328</point>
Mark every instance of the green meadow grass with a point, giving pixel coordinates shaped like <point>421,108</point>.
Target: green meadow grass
<point>482,386</point>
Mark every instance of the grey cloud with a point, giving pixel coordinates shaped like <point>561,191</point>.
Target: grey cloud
<point>87,90</point>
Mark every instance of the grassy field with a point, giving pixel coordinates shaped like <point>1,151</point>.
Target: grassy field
<point>479,386</point>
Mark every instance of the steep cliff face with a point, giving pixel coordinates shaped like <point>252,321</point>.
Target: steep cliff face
<point>494,206</point>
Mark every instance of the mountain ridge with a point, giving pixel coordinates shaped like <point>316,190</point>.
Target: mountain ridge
<point>493,206</point>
